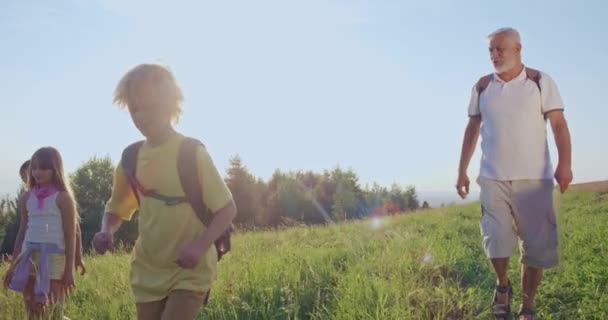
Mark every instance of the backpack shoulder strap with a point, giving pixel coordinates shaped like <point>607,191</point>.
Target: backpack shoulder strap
<point>187,169</point>
<point>533,75</point>
<point>483,83</point>
<point>128,161</point>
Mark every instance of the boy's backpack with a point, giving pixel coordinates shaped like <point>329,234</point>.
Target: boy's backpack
<point>484,82</point>
<point>189,178</point>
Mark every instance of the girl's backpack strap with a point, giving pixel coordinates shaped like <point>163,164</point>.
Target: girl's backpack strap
<point>128,161</point>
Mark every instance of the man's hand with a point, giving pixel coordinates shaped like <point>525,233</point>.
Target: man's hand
<point>563,172</point>
<point>462,185</point>
<point>103,241</point>
<point>469,141</point>
<point>563,176</point>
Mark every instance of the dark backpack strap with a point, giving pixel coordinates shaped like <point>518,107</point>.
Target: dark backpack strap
<point>533,75</point>
<point>187,169</point>
<point>128,161</point>
<point>483,83</point>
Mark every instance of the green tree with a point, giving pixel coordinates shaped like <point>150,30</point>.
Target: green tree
<point>324,193</point>
<point>247,192</point>
<point>412,198</point>
<point>273,213</point>
<point>348,195</point>
<point>92,185</point>
<point>425,205</point>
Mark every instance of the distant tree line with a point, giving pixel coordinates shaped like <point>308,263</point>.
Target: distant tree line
<point>287,198</point>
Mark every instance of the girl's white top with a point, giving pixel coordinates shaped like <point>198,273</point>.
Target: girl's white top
<point>44,225</point>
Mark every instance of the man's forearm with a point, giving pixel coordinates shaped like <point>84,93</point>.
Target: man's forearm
<point>469,143</point>
<point>563,144</point>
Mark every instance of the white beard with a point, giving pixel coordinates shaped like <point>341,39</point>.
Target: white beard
<point>505,67</point>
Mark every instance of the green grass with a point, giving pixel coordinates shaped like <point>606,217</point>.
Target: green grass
<point>428,265</point>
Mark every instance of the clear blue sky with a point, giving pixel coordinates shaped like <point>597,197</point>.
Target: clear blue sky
<point>379,86</point>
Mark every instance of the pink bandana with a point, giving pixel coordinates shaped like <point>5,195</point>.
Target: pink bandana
<point>42,192</point>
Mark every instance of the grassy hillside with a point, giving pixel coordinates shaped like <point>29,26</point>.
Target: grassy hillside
<point>427,265</point>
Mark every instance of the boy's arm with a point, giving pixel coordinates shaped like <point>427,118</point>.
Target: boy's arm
<point>104,239</point>
<point>120,207</point>
<point>190,255</point>
<point>122,203</point>
<point>216,196</point>
<point>222,219</point>
<point>22,225</point>
<point>110,223</point>
<point>218,199</point>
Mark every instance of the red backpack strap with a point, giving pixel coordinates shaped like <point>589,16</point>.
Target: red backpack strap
<point>128,161</point>
<point>187,169</point>
<point>533,75</point>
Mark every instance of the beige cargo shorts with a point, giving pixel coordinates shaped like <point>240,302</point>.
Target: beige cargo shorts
<point>519,212</point>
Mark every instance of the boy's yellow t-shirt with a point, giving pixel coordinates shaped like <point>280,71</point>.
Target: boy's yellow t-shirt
<point>163,229</point>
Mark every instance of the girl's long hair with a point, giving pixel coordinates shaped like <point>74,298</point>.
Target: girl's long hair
<point>48,158</point>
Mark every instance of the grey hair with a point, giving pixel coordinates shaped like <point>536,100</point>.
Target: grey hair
<point>511,32</point>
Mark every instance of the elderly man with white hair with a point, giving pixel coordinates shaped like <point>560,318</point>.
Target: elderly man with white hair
<point>509,110</point>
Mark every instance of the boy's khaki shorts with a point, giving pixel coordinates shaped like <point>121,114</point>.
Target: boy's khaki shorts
<point>180,304</point>
<point>519,210</point>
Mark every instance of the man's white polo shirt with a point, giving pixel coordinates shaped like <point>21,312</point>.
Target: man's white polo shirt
<point>513,133</point>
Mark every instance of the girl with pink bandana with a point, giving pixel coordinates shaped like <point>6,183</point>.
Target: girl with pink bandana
<point>45,254</point>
